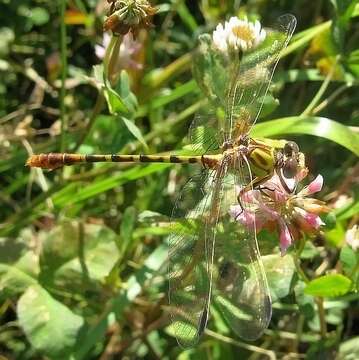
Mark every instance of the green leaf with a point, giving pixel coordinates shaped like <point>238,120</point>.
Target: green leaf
<point>317,126</point>
<point>120,100</point>
<point>7,36</point>
<point>14,280</point>
<point>353,61</point>
<point>279,271</point>
<point>336,235</point>
<point>123,88</point>
<point>127,228</point>
<point>344,12</point>
<point>19,265</point>
<point>59,245</point>
<point>331,285</point>
<point>51,327</point>
<point>178,92</point>
<point>309,251</point>
<point>115,104</point>
<point>186,336</point>
<point>348,210</point>
<point>96,256</point>
<point>305,302</point>
<point>349,350</point>
<point>208,70</point>
<point>72,195</point>
<point>270,104</point>
<point>348,259</point>
<point>98,75</point>
<point>39,16</point>
<point>120,303</point>
<point>135,131</point>
<point>186,16</point>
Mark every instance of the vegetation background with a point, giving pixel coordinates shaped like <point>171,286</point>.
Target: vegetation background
<point>82,249</point>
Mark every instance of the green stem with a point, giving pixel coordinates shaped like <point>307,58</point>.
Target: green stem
<point>301,39</point>
<point>331,98</point>
<point>299,269</point>
<point>355,270</point>
<point>100,101</point>
<point>160,78</point>
<point>321,311</point>
<point>110,61</point>
<point>63,46</point>
<point>109,53</point>
<point>232,95</point>
<point>319,300</point>
<point>323,88</point>
<point>113,60</point>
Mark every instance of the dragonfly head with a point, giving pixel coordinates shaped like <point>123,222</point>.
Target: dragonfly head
<point>292,160</point>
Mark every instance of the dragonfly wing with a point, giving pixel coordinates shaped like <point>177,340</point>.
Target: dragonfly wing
<point>241,290</point>
<point>203,133</point>
<point>253,78</point>
<point>191,253</point>
<point>236,92</point>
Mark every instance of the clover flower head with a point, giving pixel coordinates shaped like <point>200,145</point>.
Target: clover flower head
<point>238,35</point>
<point>273,208</point>
<point>352,237</point>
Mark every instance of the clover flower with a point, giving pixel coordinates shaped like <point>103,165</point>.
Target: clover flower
<point>128,16</point>
<point>352,237</point>
<point>273,208</point>
<point>238,35</point>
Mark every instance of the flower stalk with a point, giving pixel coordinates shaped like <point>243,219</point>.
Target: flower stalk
<point>63,75</point>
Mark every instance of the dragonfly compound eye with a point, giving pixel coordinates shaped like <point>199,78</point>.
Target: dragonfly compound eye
<point>290,148</point>
<point>290,168</point>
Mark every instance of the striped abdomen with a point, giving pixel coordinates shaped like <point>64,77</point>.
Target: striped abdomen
<point>56,160</point>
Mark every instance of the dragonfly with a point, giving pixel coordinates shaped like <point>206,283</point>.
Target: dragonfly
<point>214,260</point>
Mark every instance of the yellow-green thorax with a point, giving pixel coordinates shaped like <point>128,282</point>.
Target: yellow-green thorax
<point>261,157</point>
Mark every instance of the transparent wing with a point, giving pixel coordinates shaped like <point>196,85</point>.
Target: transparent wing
<point>203,133</point>
<point>237,90</point>
<point>240,288</point>
<point>191,253</point>
<point>252,80</point>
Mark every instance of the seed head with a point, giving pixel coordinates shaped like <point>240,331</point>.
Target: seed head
<point>128,16</point>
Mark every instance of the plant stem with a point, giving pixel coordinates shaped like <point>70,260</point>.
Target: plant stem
<point>109,62</point>
<point>113,60</point>
<point>227,340</point>
<point>63,47</point>
<point>319,300</point>
<point>100,101</point>
<point>312,105</point>
<point>321,311</point>
<point>300,270</point>
<point>177,67</point>
<point>330,98</point>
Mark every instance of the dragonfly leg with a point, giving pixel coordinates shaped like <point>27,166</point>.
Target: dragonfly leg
<point>203,321</point>
<point>205,166</point>
<point>254,184</point>
<point>262,189</point>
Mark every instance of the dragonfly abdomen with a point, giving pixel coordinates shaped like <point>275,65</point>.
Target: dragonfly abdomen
<point>56,160</point>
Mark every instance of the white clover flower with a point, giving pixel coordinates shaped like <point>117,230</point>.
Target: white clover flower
<point>238,35</point>
<point>352,237</point>
<point>220,38</point>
